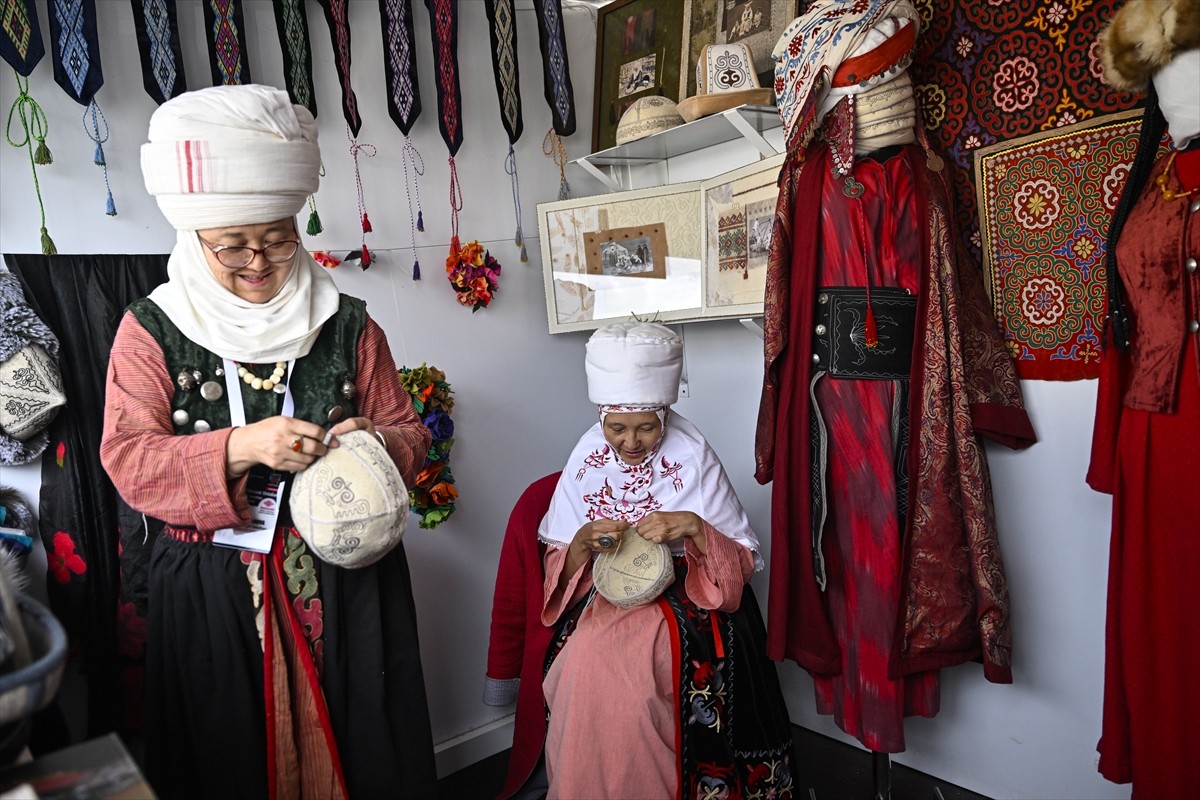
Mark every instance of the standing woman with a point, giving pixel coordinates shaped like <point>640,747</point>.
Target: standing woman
<point>268,674</point>
<point>674,698</point>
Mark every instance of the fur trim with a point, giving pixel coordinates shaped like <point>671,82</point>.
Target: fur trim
<point>20,327</point>
<point>1143,37</point>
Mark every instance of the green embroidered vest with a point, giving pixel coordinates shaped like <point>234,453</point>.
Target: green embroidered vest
<point>316,380</point>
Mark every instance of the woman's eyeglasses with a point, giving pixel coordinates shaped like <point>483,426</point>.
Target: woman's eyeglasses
<point>238,256</point>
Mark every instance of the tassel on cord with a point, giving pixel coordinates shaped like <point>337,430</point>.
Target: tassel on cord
<point>510,166</point>
<point>552,146</point>
<point>414,168</point>
<point>456,204</point>
<point>35,127</point>
<point>369,151</point>
<point>314,226</point>
<point>99,136</point>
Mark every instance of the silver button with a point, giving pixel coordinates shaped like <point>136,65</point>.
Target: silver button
<point>1194,207</point>
<point>180,417</point>
<point>823,298</point>
<point>820,330</point>
<point>1193,326</point>
<point>211,390</point>
<point>1190,265</point>
<point>816,358</point>
<point>201,426</point>
<point>279,388</point>
<point>334,414</point>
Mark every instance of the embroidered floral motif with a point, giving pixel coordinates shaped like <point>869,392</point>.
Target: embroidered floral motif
<point>672,471</point>
<point>597,458</point>
<point>63,560</point>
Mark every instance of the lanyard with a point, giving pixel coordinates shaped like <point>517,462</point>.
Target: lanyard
<point>233,388</point>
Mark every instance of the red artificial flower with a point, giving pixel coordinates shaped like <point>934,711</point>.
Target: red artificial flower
<point>64,560</point>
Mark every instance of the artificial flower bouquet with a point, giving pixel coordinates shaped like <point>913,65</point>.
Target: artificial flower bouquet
<point>432,495</point>
<point>473,273</point>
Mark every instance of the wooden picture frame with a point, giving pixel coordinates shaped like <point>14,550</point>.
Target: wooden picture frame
<point>756,23</point>
<point>738,209</point>
<point>637,54</point>
<point>582,295</point>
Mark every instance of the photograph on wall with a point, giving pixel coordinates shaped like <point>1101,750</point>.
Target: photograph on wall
<point>637,55</point>
<point>603,263</point>
<point>758,24</point>
<point>739,218</point>
<point>639,251</point>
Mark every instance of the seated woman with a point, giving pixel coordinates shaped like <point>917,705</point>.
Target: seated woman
<point>675,697</point>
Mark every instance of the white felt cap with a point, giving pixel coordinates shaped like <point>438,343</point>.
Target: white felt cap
<point>634,363</point>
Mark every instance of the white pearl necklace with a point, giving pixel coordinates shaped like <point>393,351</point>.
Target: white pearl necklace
<point>263,384</point>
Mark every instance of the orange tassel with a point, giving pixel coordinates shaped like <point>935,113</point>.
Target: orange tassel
<point>366,223</point>
<point>871,333</point>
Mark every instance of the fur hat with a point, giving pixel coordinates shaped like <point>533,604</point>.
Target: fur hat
<point>1143,37</point>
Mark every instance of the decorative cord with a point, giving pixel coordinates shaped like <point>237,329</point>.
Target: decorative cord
<point>99,138</point>
<point>510,166</point>
<point>411,159</point>
<point>456,204</point>
<point>35,127</point>
<point>369,151</point>
<point>552,146</point>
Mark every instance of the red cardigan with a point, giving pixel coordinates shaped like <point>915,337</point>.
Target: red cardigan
<point>518,641</point>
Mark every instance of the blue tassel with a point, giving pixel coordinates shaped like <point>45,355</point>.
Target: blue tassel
<point>110,208</point>
<point>420,222</point>
<point>416,270</point>
<point>99,155</point>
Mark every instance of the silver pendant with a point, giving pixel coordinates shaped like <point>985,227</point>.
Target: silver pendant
<point>334,414</point>
<point>279,388</point>
<point>201,426</point>
<point>211,390</point>
<point>188,378</point>
<point>219,372</point>
<point>851,187</point>
<point>180,417</point>
<point>934,162</point>
<point>349,389</point>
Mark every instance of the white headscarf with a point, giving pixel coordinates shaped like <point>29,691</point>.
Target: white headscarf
<point>226,156</point>
<point>682,473</point>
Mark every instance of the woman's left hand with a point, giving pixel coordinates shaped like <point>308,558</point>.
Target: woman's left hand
<point>662,527</point>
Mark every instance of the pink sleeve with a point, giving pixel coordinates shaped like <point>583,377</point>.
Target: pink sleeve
<point>178,479</point>
<point>557,602</point>
<point>715,580</point>
<point>385,402</point>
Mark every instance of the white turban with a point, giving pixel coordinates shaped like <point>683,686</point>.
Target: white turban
<point>231,155</point>
<point>634,364</point>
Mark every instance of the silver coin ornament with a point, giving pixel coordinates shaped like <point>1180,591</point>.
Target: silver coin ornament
<point>211,390</point>
<point>202,426</point>
<point>180,417</point>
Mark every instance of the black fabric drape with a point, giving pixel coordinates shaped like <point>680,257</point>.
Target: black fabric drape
<point>96,546</point>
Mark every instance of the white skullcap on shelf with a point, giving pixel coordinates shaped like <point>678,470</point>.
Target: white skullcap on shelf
<point>634,364</point>
<point>231,155</point>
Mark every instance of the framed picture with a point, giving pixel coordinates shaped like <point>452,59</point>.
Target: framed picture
<point>610,257</point>
<point>738,210</point>
<point>639,251</point>
<point>637,54</point>
<point>756,23</point>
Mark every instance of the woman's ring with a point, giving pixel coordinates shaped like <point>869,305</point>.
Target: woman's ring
<point>606,541</point>
<point>297,444</point>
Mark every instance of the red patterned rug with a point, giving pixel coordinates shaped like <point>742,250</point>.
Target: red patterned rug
<point>1045,205</point>
<point>990,71</point>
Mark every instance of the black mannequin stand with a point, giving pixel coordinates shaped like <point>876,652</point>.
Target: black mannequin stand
<point>881,774</point>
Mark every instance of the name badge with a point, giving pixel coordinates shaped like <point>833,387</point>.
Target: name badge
<point>262,493</point>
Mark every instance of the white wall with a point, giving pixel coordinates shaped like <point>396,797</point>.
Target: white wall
<point>521,399</point>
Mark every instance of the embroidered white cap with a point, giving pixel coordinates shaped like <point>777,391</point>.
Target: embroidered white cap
<point>351,506</point>
<point>634,363</point>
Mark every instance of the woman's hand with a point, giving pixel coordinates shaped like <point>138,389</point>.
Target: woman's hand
<point>353,424</point>
<point>663,527</point>
<point>281,443</point>
<point>590,539</point>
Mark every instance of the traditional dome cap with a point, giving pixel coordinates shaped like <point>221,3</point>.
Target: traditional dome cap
<point>231,155</point>
<point>1145,36</point>
<point>634,364</point>
<point>647,115</point>
<point>351,506</point>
